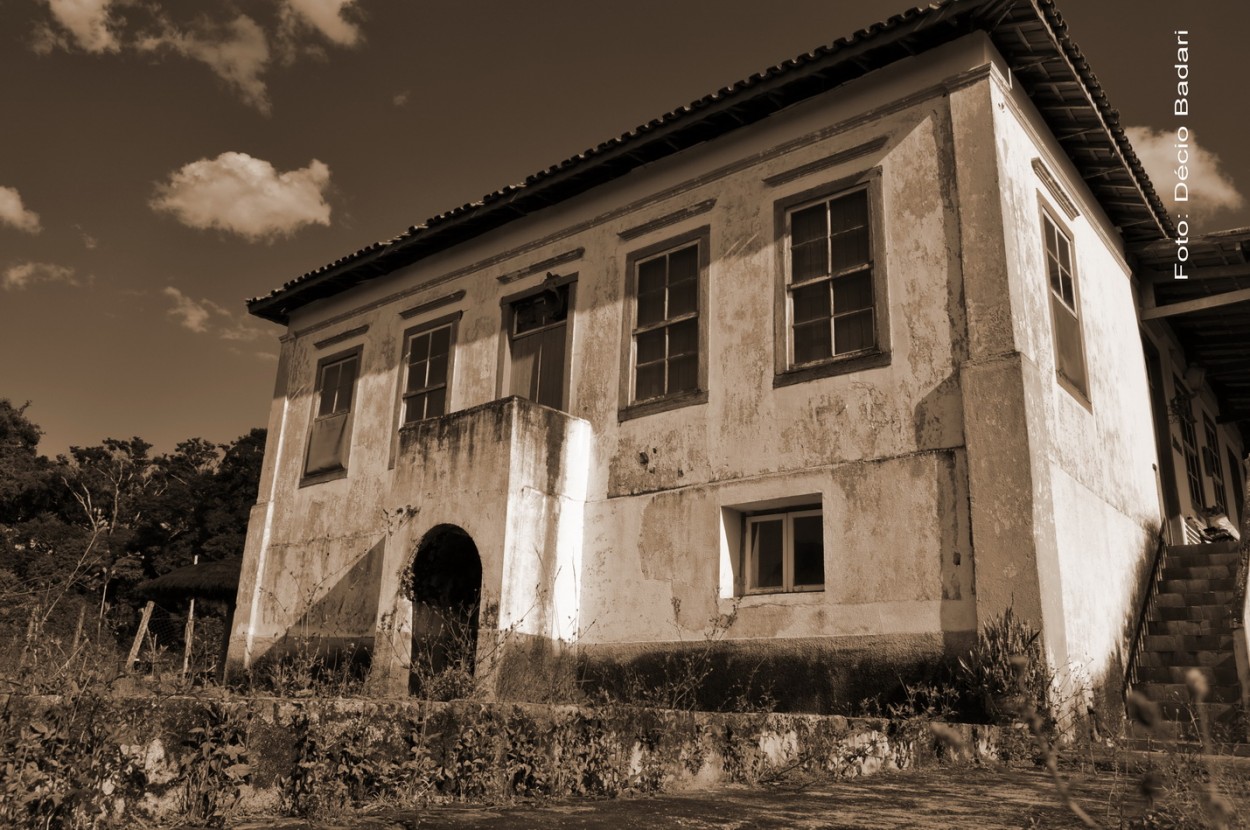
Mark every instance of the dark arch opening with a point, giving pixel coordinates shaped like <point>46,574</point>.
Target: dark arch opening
<point>446,594</point>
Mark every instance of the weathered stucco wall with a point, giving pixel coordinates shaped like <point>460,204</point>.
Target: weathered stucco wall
<point>1092,460</point>
<point>648,558</point>
<point>955,476</point>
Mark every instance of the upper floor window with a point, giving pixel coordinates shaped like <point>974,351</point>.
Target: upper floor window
<point>831,300</point>
<point>330,438</point>
<point>428,356</point>
<point>1064,308</point>
<point>666,325</point>
<point>830,285</point>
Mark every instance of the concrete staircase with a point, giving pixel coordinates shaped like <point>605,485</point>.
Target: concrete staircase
<point>1189,625</point>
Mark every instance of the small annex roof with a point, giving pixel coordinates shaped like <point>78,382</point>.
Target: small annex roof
<point>1030,34</point>
<point>1208,310</point>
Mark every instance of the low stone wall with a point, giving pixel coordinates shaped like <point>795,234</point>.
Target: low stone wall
<point>205,758</point>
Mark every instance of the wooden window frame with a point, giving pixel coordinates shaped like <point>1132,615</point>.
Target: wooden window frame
<point>631,407</point>
<point>448,321</point>
<point>1050,216</point>
<point>786,371</point>
<point>323,364</point>
<point>749,556</point>
<point>1214,464</point>
<point>504,374</point>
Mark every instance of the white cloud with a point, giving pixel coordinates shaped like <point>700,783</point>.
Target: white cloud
<point>25,274</point>
<point>13,212</point>
<point>204,316</point>
<point>1210,188</point>
<point>191,314</point>
<point>87,21</point>
<point>326,16</point>
<point>237,51</point>
<point>247,196</point>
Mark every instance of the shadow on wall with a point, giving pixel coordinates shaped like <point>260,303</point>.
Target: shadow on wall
<point>335,630</point>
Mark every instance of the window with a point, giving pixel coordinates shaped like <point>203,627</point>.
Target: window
<point>830,284</point>
<point>784,551</point>
<point>666,331</point>
<point>1184,414</point>
<point>1239,493</point>
<point>830,298</point>
<point>1213,463</point>
<point>538,333</point>
<point>665,364</point>
<point>428,356</point>
<point>1065,319</point>
<point>330,439</point>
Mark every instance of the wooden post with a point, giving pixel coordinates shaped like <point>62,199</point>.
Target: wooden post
<point>143,629</point>
<point>188,634</point>
<point>82,609</point>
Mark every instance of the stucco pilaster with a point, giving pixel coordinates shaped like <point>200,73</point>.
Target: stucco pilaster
<point>1007,479</point>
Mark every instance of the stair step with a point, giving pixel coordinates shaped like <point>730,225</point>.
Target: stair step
<point>1224,675</point>
<point>1196,627</point>
<point>1205,549</point>
<point>1188,642</point>
<point>1196,659</point>
<point>1180,570</point>
<point>1195,586</point>
<point>1191,612</point>
<point>1184,599</point>
<point>1177,694</point>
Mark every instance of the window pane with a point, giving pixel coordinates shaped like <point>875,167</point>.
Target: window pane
<point>683,264</point>
<point>329,387</point>
<point>683,374</point>
<point>438,370</point>
<point>1049,231</point>
<point>852,293</point>
<point>651,346</point>
<point>346,380</point>
<point>436,402</point>
<point>683,337</point>
<point>651,275</point>
<point>1064,253</point>
<point>650,382</point>
<point>852,332</point>
<point>420,348</point>
<point>808,224</point>
<point>812,341</point>
<point>809,260</point>
<point>848,212</point>
<point>766,551</point>
<point>416,376</point>
<point>440,340</point>
<point>530,314</point>
<point>1056,283</point>
<point>414,407</point>
<point>811,302</point>
<point>849,249</point>
<point>1068,291</point>
<point>1069,358</point>
<point>683,297</point>
<point>650,307</point>
<point>809,551</point>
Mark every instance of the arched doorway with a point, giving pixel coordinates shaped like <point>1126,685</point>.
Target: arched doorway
<point>446,592</point>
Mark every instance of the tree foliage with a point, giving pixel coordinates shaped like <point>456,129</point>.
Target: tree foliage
<point>90,526</point>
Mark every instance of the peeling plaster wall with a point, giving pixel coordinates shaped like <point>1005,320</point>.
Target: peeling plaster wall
<point>616,532</point>
<point>1096,508</point>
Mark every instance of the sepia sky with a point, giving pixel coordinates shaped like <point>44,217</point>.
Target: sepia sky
<point>161,162</point>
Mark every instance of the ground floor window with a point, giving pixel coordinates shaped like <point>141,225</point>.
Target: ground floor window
<point>785,551</point>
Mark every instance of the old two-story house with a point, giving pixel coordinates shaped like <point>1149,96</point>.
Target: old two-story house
<point>831,366</point>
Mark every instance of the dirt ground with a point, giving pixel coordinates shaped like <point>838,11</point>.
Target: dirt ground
<point>929,799</point>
